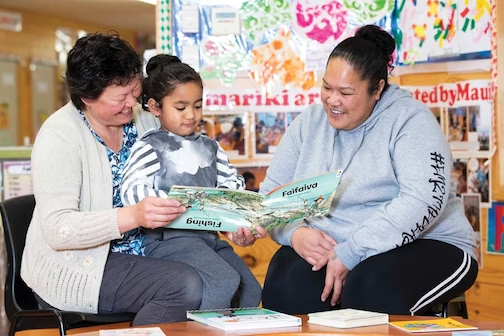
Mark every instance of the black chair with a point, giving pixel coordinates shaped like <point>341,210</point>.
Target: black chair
<point>21,306</point>
<point>455,307</point>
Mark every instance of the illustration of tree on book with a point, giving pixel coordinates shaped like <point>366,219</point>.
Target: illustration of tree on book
<point>226,210</point>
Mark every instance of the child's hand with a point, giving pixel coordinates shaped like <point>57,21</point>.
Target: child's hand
<point>244,237</point>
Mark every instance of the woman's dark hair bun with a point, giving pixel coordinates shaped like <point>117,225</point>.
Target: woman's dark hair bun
<point>380,37</point>
<point>160,61</point>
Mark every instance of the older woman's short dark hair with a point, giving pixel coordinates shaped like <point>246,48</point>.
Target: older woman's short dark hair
<point>97,61</point>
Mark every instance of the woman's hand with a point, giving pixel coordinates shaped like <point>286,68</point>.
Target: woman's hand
<point>312,244</point>
<point>335,276</point>
<point>150,212</point>
<point>245,237</point>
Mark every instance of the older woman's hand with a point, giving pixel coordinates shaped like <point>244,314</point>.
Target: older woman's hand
<point>245,237</point>
<point>150,212</point>
<point>154,212</point>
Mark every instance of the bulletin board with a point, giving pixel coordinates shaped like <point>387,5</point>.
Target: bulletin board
<point>273,41</point>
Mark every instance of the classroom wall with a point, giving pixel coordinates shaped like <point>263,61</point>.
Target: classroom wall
<point>36,43</point>
<point>486,298</point>
<point>38,35</point>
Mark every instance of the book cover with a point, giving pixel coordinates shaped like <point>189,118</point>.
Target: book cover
<point>348,318</point>
<point>444,324</point>
<point>220,209</point>
<point>479,333</point>
<point>243,318</point>
<point>154,331</point>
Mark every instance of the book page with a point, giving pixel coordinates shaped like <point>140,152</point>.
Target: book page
<point>215,209</point>
<point>298,200</point>
<point>226,210</point>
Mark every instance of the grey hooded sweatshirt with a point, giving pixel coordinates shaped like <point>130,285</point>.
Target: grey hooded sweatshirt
<point>395,186</point>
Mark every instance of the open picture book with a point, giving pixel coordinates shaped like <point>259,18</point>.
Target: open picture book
<point>221,209</point>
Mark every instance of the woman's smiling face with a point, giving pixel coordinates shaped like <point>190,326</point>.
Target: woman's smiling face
<point>345,95</point>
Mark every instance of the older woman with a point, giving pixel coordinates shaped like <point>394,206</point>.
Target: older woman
<point>397,239</point>
<point>84,250</point>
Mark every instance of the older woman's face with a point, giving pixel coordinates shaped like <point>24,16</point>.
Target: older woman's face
<point>114,107</point>
<point>345,95</point>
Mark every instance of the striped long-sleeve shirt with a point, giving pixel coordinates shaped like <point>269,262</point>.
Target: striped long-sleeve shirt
<point>161,159</point>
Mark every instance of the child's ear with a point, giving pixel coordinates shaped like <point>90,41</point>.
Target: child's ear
<point>153,107</point>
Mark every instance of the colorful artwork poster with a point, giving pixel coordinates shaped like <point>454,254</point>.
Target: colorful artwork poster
<point>230,131</point>
<point>459,176</point>
<point>478,179</point>
<point>465,112</point>
<point>443,40</point>
<point>324,22</point>
<point>469,126</point>
<point>457,124</point>
<point>277,65</point>
<point>425,31</point>
<point>439,30</point>
<point>480,124</point>
<point>269,129</point>
<point>472,211</point>
<point>496,228</point>
<point>221,57</point>
<point>474,25</point>
<point>312,24</point>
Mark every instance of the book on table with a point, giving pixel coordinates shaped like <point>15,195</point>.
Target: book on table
<point>152,331</point>
<point>243,318</point>
<point>220,209</point>
<point>444,324</point>
<point>479,333</point>
<point>348,318</point>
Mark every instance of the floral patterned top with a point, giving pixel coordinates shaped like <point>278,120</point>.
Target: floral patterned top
<point>132,241</point>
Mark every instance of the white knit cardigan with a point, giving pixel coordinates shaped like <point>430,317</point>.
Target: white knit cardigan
<point>73,223</point>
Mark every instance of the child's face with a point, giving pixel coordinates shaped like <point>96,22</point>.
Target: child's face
<point>182,110</point>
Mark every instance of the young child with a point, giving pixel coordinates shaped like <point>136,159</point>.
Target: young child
<point>177,155</point>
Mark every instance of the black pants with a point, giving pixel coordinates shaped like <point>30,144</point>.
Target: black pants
<point>406,280</point>
<point>157,290</point>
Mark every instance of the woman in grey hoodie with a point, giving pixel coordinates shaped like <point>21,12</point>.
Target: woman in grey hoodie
<point>397,239</point>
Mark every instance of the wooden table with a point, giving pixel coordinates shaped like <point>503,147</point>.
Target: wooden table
<point>191,328</point>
